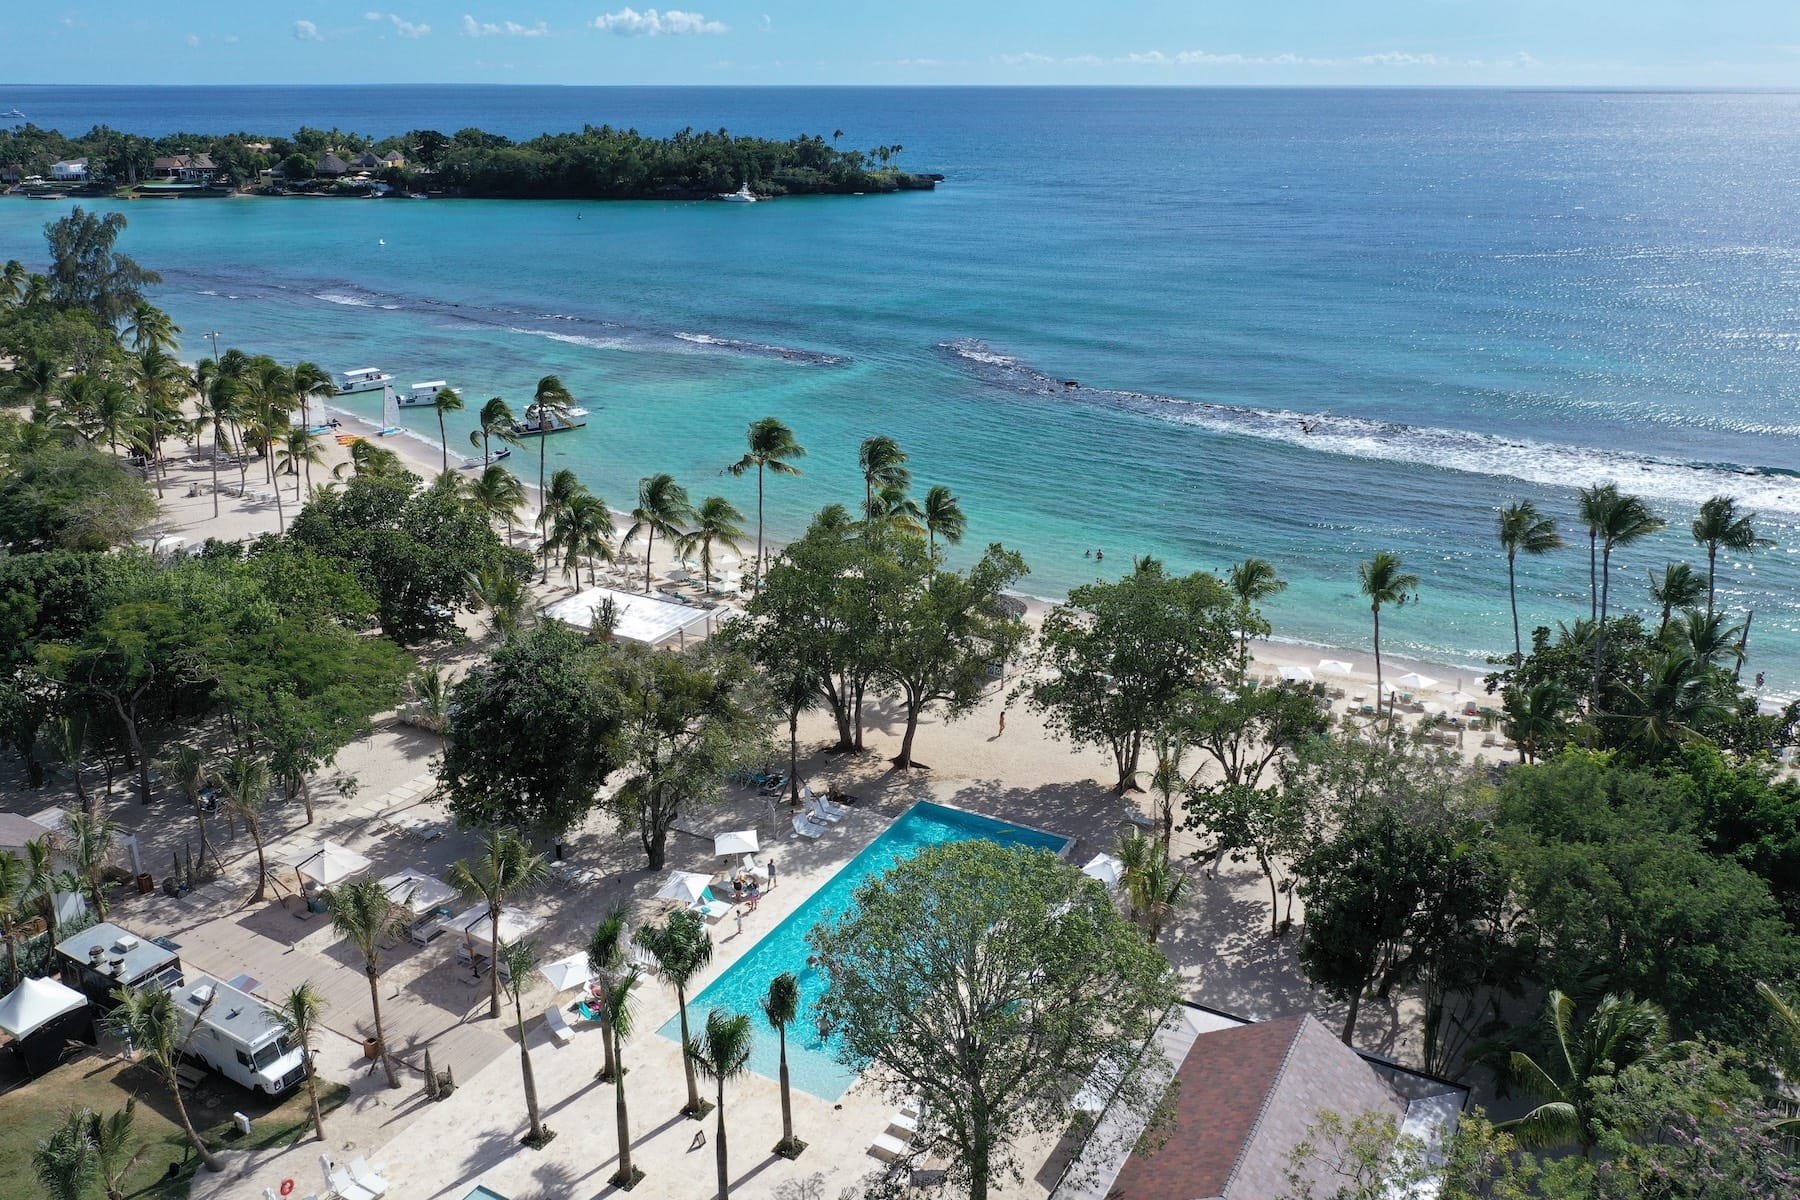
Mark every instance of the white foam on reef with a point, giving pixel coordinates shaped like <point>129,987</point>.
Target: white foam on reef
<point>341,298</point>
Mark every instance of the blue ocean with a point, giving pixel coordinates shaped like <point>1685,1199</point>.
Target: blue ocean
<point>1190,323</point>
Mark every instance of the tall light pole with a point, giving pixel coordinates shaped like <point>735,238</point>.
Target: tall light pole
<point>214,335</point>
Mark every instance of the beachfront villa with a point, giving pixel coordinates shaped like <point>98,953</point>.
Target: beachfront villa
<point>185,168</point>
<point>72,170</point>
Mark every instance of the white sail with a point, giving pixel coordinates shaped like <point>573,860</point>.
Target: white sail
<point>390,409</point>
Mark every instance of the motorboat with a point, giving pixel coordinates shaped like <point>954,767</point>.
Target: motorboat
<point>741,196</point>
<point>363,379</point>
<point>12,115</point>
<point>573,418</point>
<point>423,395</point>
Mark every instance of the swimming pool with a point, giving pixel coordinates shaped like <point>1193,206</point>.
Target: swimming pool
<point>811,1064</point>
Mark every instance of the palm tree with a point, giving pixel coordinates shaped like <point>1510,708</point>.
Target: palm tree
<point>504,596</point>
<point>564,487</point>
<point>585,530</point>
<point>12,281</point>
<point>1523,528</point>
<point>1674,699</point>
<point>1626,519</point>
<point>161,382</point>
<point>310,382</point>
<point>496,420</point>
<point>298,453</point>
<point>883,465</point>
<point>716,520</point>
<point>150,1018</point>
<point>722,1053</point>
<point>299,1014</point>
<point>1619,1033</point>
<point>447,400</point>
<point>69,738</point>
<point>1721,523</point>
<point>366,458</point>
<point>780,1006</point>
<point>620,1010</point>
<point>520,961</point>
<point>1536,715</point>
<point>1136,852</point>
<point>605,952</point>
<point>217,381</point>
<point>115,1149</point>
<point>150,328</point>
<point>498,493</point>
<point>87,840</point>
<point>1677,587</point>
<point>663,508</point>
<point>1163,884</point>
<point>16,902</point>
<point>505,867</point>
<point>187,766</point>
<point>549,405</point>
<point>366,914</point>
<point>681,949</point>
<point>1384,581</point>
<point>65,1162</point>
<point>892,508</point>
<point>772,448</point>
<point>1252,581</point>
<point>944,518</point>
<point>245,782</point>
<point>268,390</point>
<point>44,880</point>
<point>1593,504</point>
<point>1787,1026</point>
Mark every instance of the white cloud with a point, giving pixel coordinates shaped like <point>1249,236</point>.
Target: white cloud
<point>927,63</point>
<point>402,26</point>
<point>1208,58</point>
<point>1026,59</point>
<point>193,41</point>
<point>306,31</point>
<point>765,25</point>
<point>473,28</point>
<point>628,22</point>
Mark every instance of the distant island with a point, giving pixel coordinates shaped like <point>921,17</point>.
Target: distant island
<point>597,163</point>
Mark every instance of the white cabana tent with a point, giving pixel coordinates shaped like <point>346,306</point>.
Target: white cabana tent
<point>569,972</point>
<point>1461,699</point>
<point>740,841</point>
<point>1416,682</point>
<point>473,924</point>
<point>35,1003</point>
<point>1107,869</point>
<point>685,886</point>
<point>1297,674</point>
<point>326,863</point>
<point>418,892</point>
<point>1336,666</point>
<point>649,620</point>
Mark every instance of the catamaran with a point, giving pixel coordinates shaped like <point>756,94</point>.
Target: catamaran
<point>363,379</point>
<point>423,394</point>
<point>572,418</point>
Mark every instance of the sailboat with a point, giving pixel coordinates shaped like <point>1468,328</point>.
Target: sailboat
<point>390,411</point>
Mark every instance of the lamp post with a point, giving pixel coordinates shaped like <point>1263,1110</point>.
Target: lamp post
<point>214,335</point>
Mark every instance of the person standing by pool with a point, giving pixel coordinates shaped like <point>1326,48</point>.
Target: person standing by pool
<point>771,873</point>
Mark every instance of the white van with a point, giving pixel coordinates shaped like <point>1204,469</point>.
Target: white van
<point>238,1036</point>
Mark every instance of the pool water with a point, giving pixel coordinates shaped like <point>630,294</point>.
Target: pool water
<point>811,1062</point>
<point>484,1193</point>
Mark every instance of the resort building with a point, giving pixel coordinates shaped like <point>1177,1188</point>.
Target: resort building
<point>331,166</point>
<point>186,168</point>
<point>70,170</point>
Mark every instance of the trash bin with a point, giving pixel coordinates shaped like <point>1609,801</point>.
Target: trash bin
<point>146,884</point>
<point>371,1047</point>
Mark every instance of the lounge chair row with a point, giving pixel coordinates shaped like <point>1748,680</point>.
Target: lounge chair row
<point>363,1181</point>
<point>819,815</point>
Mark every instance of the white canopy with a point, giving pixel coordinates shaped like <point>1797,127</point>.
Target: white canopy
<point>35,1003</point>
<point>1106,869</point>
<point>636,617</point>
<point>739,841</point>
<point>515,923</point>
<point>327,862</point>
<point>1462,698</point>
<point>685,886</point>
<point>1416,681</point>
<point>1336,666</point>
<point>569,972</point>
<point>1297,674</point>
<point>417,891</point>
<point>1433,709</point>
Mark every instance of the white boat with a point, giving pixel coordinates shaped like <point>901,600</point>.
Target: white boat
<point>741,196</point>
<point>363,379</point>
<point>532,427</point>
<point>390,413</point>
<point>423,394</point>
<point>13,115</point>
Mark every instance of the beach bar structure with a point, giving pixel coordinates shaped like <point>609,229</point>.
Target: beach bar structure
<point>636,617</point>
<point>105,957</point>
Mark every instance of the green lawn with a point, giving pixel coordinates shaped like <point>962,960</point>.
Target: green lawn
<point>31,1110</point>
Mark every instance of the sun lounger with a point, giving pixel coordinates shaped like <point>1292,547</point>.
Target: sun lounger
<point>904,1126</point>
<point>713,910</point>
<point>805,826</point>
<point>557,1025</point>
<point>887,1148</point>
<point>826,808</point>
<point>820,816</point>
<point>368,1176</point>
<point>346,1188</point>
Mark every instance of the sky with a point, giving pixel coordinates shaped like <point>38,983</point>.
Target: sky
<point>1526,43</point>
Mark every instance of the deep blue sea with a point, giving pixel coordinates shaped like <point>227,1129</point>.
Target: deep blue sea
<point>1305,324</point>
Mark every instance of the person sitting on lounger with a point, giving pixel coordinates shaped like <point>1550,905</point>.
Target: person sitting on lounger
<point>737,888</point>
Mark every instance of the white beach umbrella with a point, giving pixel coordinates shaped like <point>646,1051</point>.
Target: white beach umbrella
<point>326,862</point>
<point>569,972</point>
<point>1336,666</point>
<point>1107,869</point>
<point>1433,709</point>
<point>740,841</point>
<point>1297,674</point>
<point>684,886</point>
<point>1416,681</point>
<point>1461,699</point>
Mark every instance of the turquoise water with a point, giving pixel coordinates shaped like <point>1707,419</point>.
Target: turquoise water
<point>811,1062</point>
<point>1468,297</point>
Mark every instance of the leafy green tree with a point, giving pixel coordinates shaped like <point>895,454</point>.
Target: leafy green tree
<point>70,497</point>
<point>1384,581</point>
<point>16,902</point>
<point>150,1019</point>
<point>1722,524</point>
<point>684,722</point>
<point>1524,530</point>
<point>365,914</point>
<point>1618,1033</point>
<point>682,949</point>
<point>87,272</point>
<point>982,978</point>
<point>1113,664</point>
<point>531,733</point>
<point>772,447</point>
<point>506,866</point>
<point>662,507</point>
<point>722,1054</point>
<point>780,1006</point>
<point>299,1014</point>
<point>520,962</point>
<point>1246,734</point>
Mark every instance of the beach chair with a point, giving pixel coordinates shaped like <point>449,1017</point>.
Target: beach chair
<point>826,808</point>
<point>904,1125</point>
<point>556,1024</point>
<point>806,827</point>
<point>888,1148</point>
<point>819,814</point>
<point>368,1176</point>
<point>713,910</point>
<point>346,1188</point>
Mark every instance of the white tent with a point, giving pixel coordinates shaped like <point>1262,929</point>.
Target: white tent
<point>35,1003</point>
<point>740,841</point>
<point>418,892</point>
<point>685,886</point>
<point>636,617</point>
<point>326,862</point>
<point>1336,666</point>
<point>1297,674</point>
<point>1416,681</point>
<point>1106,869</point>
<point>569,972</point>
<point>1462,699</point>
<point>473,923</point>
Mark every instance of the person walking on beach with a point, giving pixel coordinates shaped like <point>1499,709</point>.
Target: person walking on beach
<point>771,874</point>
<point>1002,732</point>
